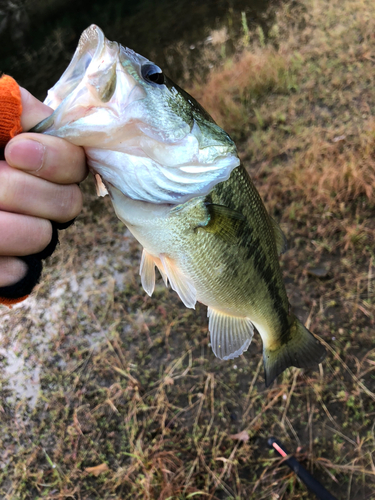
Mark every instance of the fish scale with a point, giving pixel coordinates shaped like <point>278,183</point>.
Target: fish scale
<point>245,259</point>
<point>176,181</point>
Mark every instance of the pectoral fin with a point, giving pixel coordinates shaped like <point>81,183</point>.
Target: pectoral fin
<point>147,272</point>
<point>230,335</point>
<point>224,222</point>
<point>179,282</point>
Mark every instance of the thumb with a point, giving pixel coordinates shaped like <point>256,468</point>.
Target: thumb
<point>33,111</point>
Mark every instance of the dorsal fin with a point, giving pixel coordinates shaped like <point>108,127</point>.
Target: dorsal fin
<point>147,272</point>
<point>230,335</point>
<point>281,243</point>
<point>179,282</point>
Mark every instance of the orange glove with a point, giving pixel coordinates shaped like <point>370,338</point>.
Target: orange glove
<point>10,109</point>
<point>10,125</point>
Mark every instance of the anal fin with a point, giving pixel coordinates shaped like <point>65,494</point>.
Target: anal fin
<point>230,335</point>
<point>179,282</point>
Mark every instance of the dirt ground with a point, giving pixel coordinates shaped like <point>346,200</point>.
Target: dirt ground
<point>108,393</point>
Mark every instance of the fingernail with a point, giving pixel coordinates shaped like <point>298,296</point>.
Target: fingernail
<point>25,154</point>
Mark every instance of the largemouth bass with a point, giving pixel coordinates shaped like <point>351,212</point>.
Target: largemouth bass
<point>176,181</point>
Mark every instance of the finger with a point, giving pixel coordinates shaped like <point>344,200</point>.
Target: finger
<point>48,157</point>
<point>33,111</point>
<point>12,270</point>
<point>25,194</point>
<point>23,235</point>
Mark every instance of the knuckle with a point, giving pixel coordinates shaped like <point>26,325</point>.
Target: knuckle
<point>37,236</point>
<point>6,184</point>
<point>23,235</point>
<point>64,162</point>
<point>71,203</point>
<point>44,234</point>
<point>76,159</point>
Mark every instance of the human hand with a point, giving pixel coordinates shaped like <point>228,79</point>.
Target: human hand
<point>38,183</point>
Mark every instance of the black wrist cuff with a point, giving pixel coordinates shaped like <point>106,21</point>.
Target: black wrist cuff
<point>34,268</point>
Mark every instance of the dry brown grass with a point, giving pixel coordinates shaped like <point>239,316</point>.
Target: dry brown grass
<point>332,171</point>
<point>306,96</point>
<point>133,404</point>
<point>229,92</point>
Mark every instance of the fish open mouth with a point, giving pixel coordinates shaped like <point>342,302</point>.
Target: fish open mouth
<point>87,84</point>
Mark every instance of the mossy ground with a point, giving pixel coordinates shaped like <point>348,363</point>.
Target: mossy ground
<point>130,387</point>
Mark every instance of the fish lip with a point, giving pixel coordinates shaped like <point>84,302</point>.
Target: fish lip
<point>91,45</point>
<point>92,38</point>
<point>92,34</point>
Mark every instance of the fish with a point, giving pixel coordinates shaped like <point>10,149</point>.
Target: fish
<point>177,183</point>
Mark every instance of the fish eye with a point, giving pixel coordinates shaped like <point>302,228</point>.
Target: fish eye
<point>152,73</point>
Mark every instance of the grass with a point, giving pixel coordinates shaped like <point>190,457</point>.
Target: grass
<point>133,404</point>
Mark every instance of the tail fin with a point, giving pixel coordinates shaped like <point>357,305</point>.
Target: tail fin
<point>301,349</point>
